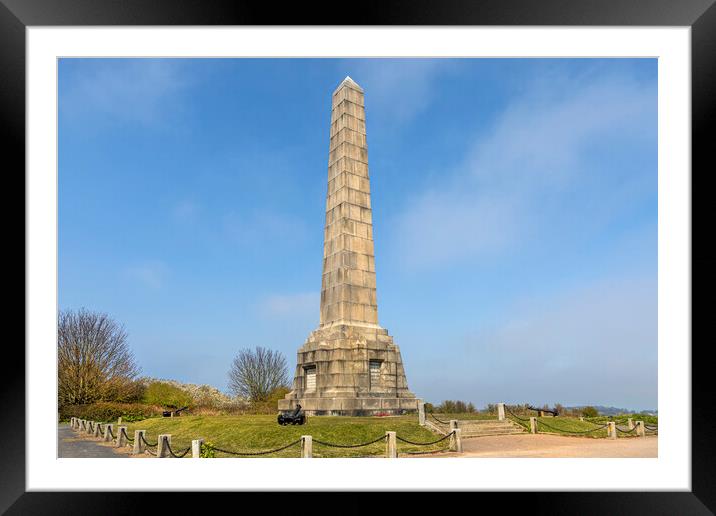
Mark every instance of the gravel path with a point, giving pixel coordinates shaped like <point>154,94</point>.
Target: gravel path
<point>542,445</point>
<point>71,444</point>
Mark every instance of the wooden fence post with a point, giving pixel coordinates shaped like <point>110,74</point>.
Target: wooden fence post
<point>139,445</point>
<point>391,446</point>
<point>108,432</point>
<point>121,436</point>
<point>456,441</point>
<point>196,448</point>
<point>306,447</point>
<point>421,412</point>
<point>640,430</point>
<point>611,430</point>
<point>533,425</point>
<point>163,443</point>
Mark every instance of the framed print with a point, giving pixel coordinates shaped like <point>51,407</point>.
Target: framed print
<point>526,225</point>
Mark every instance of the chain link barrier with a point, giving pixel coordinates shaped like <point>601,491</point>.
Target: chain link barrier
<point>625,431</point>
<point>438,420</point>
<point>178,455</point>
<point>425,444</point>
<point>148,446</point>
<point>570,431</point>
<point>539,422</point>
<point>333,445</point>
<point>515,415</point>
<point>422,444</point>
<point>183,453</point>
<point>229,452</point>
<point>147,443</point>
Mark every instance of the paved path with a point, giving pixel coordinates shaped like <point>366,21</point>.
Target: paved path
<point>71,444</point>
<point>543,445</point>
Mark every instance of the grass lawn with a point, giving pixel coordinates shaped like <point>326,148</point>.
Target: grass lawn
<point>622,419</point>
<point>252,433</point>
<point>568,425</point>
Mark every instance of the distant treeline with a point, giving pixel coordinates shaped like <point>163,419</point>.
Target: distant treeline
<point>466,407</point>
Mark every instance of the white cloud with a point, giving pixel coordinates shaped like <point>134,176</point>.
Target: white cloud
<point>264,227</point>
<point>149,274</point>
<point>398,89</point>
<point>133,90</point>
<point>596,344</point>
<point>539,140</point>
<point>510,184</point>
<point>298,306</point>
<point>185,211</point>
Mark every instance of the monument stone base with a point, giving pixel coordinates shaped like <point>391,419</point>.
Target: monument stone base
<point>350,370</point>
<point>352,406</point>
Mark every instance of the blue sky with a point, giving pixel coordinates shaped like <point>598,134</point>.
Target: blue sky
<point>514,207</point>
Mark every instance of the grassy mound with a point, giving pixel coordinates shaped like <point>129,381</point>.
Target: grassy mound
<point>252,433</point>
<point>108,411</point>
<point>570,426</point>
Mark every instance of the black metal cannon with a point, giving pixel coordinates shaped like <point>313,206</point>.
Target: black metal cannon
<point>553,412</point>
<point>295,418</point>
<point>168,413</point>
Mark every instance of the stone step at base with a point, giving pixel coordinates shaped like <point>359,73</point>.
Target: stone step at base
<point>485,422</point>
<point>477,428</point>
<point>464,425</point>
<point>482,427</point>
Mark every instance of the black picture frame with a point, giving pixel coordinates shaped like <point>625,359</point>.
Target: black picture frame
<point>700,15</point>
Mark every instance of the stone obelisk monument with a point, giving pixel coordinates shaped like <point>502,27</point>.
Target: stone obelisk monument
<point>349,365</point>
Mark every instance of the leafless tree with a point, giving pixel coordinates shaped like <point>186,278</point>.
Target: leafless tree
<point>94,361</point>
<point>254,374</point>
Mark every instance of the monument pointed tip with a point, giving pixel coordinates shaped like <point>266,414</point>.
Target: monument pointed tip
<point>350,83</point>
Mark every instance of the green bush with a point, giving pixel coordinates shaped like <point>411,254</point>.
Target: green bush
<point>166,395</point>
<point>106,411</point>
<point>207,450</point>
<point>270,406</point>
<point>589,412</point>
<point>458,407</point>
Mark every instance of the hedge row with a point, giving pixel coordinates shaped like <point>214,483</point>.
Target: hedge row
<point>110,411</point>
